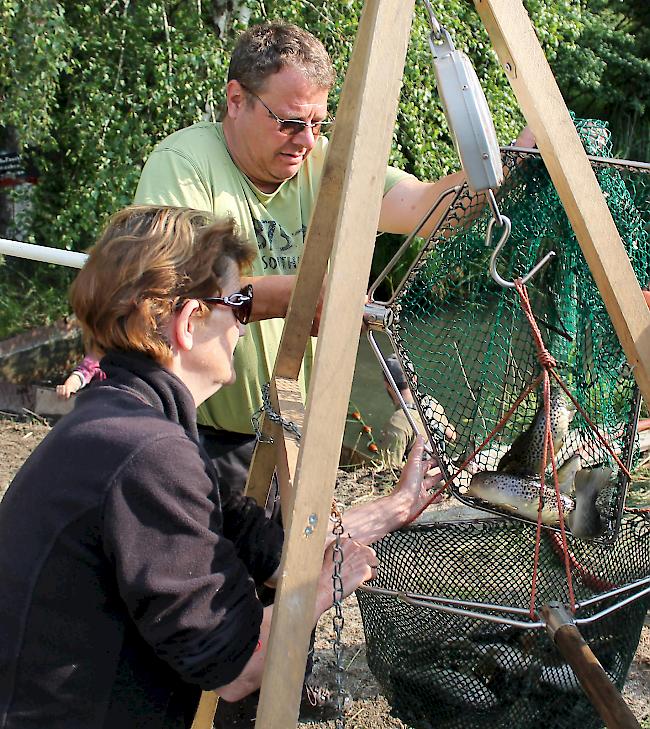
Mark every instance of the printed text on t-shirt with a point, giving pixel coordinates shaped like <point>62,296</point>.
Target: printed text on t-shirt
<point>273,237</point>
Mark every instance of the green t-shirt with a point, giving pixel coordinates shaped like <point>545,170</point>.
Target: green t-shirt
<point>193,168</point>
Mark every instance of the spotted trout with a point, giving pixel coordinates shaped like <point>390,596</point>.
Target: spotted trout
<point>525,455</point>
<point>519,495</point>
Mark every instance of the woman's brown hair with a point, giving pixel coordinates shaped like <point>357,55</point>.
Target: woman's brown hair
<point>147,260</point>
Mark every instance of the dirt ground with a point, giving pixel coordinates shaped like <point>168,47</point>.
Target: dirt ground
<point>368,709</point>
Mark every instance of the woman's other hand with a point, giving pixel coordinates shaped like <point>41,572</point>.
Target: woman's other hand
<point>413,491</point>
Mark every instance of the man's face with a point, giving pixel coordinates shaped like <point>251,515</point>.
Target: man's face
<point>264,153</point>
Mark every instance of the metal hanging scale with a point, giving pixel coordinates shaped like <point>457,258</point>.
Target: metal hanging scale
<point>466,110</point>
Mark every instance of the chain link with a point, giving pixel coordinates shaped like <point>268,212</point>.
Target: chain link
<point>267,409</point>
<point>337,619</point>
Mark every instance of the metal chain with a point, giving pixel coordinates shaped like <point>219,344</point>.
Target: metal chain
<point>337,618</point>
<point>267,409</point>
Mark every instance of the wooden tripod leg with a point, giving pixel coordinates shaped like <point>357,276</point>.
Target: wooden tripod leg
<point>348,208</point>
<point>206,710</point>
<point>599,688</point>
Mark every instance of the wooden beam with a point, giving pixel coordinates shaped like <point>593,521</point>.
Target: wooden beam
<point>292,409</point>
<point>541,102</point>
<point>350,196</point>
<point>265,456</point>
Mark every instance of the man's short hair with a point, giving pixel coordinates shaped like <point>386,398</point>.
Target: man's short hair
<point>265,49</point>
<point>147,261</point>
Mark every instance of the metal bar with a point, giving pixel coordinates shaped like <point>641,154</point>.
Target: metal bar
<point>45,254</point>
<point>613,608</point>
<point>443,600</point>
<point>474,614</point>
<point>610,162</point>
<point>611,593</point>
<point>390,265</point>
<point>457,607</point>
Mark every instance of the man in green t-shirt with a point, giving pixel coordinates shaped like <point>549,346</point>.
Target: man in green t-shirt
<point>262,166</point>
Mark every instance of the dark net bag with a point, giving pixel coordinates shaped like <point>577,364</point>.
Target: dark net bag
<point>446,670</point>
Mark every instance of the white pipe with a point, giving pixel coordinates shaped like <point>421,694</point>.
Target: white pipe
<point>42,253</point>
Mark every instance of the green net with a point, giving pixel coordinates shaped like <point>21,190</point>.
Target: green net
<point>465,342</point>
<point>447,670</point>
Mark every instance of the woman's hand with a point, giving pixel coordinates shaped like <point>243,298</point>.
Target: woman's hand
<point>419,475</point>
<point>372,520</point>
<point>358,565</point>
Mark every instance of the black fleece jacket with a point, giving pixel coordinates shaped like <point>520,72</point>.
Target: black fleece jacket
<point>128,580</point>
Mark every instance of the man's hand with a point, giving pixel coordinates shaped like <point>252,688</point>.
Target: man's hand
<point>525,139</point>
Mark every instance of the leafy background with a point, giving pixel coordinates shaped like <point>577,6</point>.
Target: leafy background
<point>88,88</point>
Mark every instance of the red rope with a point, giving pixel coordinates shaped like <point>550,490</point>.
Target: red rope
<point>547,363</point>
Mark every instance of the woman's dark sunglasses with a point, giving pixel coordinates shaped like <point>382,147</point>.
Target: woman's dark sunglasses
<point>291,127</point>
<point>241,303</point>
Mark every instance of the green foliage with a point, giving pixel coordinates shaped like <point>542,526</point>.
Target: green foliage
<point>612,52</point>
<point>89,87</point>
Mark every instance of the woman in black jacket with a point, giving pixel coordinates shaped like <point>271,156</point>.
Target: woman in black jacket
<point>128,578</point>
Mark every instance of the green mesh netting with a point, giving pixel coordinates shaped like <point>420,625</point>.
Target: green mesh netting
<point>465,341</point>
<point>441,670</point>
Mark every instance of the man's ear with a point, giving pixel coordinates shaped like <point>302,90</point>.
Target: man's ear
<point>184,326</point>
<point>235,98</point>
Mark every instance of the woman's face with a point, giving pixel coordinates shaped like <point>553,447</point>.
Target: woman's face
<point>216,336</point>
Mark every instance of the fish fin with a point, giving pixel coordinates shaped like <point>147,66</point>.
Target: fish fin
<point>585,521</point>
<point>566,474</point>
<point>592,480</point>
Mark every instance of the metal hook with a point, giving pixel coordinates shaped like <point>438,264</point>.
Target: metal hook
<point>436,28</point>
<point>507,225</point>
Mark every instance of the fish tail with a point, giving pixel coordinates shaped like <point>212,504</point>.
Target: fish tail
<point>585,520</point>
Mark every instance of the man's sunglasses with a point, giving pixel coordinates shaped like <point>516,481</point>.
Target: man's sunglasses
<point>241,303</point>
<point>291,127</point>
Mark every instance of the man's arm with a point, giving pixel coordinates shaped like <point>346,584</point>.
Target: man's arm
<point>404,206</point>
<point>272,295</point>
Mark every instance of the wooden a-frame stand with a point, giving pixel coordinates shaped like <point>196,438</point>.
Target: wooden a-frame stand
<point>344,224</point>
